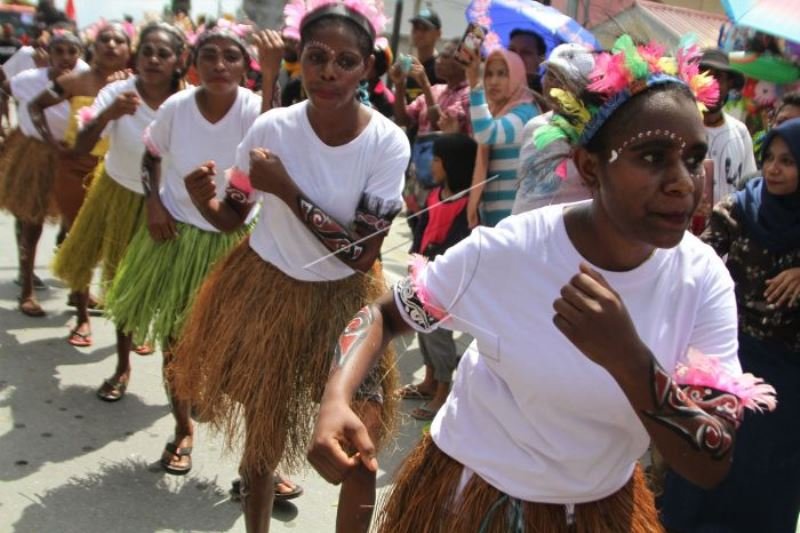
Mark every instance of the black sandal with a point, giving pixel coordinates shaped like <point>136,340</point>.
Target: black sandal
<point>296,492</point>
<point>171,448</point>
<point>116,392</point>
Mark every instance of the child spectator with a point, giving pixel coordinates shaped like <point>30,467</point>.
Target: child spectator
<point>441,225</point>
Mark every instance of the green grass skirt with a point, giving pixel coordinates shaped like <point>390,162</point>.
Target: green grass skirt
<point>157,281</point>
<point>106,224</point>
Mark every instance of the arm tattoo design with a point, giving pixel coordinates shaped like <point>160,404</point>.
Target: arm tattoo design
<point>332,234</point>
<point>374,215</point>
<point>354,335</point>
<point>237,198</point>
<point>703,416</point>
<point>413,306</point>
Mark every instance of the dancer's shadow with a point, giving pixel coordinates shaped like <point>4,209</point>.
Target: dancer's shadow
<point>130,497</point>
<point>50,423</point>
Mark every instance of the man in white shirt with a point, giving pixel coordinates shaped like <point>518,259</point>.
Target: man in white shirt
<point>729,142</point>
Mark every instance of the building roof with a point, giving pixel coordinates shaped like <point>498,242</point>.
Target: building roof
<point>682,20</point>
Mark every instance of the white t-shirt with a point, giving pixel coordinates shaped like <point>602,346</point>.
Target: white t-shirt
<point>539,181</point>
<point>25,87</point>
<point>731,148</point>
<point>22,60</point>
<point>529,412</point>
<point>334,178</point>
<point>124,158</point>
<point>185,139</point>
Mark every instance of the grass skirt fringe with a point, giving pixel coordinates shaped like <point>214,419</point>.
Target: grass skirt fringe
<point>27,173</point>
<point>157,281</point>
<point>424,499</point>
<point>105,226</point>
<point>259,344</point>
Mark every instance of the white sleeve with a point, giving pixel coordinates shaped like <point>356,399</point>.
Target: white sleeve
<point>103,100</point>
<point>20,61</point>
<point>715,332</point>
<point>251,109</point>
<point>158,134</point>
<point>239,175</point>
<point>385,184</point>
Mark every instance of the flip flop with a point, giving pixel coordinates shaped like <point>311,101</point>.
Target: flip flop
<point>423,413</point>
<point>412,392</point>
<point>81,340</point>
<point>116,392</point>
<point>172,449</point>
<point>236,490</point>
<point>30,307</point>
<point>144,349</point>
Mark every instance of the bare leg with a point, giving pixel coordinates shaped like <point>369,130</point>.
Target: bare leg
<point>82,325</point>
<point>114,387</point>
<point>257,496</point>
<point>28,239</point>
<point>181,411</point>
<point>357,496</point>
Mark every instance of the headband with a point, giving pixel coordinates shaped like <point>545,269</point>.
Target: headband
<point>368,14</point>
<point>63,36</point>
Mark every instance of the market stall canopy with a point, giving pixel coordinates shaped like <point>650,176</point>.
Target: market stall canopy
<point>504,16</point>
<point>780,18</point>
<point>646,21</point>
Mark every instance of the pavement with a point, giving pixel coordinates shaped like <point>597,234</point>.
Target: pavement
<point>72,463</point>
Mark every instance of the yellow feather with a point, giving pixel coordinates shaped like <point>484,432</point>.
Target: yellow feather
<point>571,105</point>
<point>668,65</point>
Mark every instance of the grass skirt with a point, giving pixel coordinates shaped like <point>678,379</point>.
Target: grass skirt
<point>27,171</point>
<point>260,344</point>
<point>105,226</point>
<point>157,281</point>
<point>74,174</point>
<point>424,494</point>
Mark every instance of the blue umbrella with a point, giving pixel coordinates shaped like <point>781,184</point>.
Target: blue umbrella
<point>775,17</point>
<point>504,16</point>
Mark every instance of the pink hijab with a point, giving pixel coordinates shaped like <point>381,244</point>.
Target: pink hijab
<point>518,81</point>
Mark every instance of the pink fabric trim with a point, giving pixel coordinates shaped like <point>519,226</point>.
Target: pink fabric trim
<point>705,371</point>
<point>241,181</point>
<point>85,115</point>
<point>417,265</point>
<point>149,144</point>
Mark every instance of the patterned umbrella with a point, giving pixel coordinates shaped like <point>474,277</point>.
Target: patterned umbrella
<point>504,16</point>
<point>775,17</point>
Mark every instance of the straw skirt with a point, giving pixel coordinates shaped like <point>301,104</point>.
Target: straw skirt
<point>27,173</point>
<point>259,344</point>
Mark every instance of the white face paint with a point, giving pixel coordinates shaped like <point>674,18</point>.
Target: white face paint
<point>615,153</point>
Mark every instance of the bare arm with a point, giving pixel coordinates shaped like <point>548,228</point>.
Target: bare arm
<point>47,98</point>
<point>160,223</point>
<point>227,214</point>
<point>360,346</point>
<point>398,77</point>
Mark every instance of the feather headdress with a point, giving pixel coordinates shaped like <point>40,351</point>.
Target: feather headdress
<point>296,14</point>
<point>626,71</point>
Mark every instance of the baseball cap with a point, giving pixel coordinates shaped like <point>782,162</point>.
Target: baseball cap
<point>429,17</point>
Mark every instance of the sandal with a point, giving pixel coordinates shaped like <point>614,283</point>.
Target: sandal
<point>144,349</point>
<point>173,450</point>
<point>297,491</point>
<point>30,307</point>
<point>423,413</point>
<point>81,340</point>
<point>112,391</point>
<point>412,392</point>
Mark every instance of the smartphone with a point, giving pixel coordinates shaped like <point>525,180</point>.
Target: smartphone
<point>472,40</point>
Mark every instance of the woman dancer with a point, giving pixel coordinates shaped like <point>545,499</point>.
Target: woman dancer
<point>110,54</point>
<point>26,189</point>
<point>758,229</point>
<point>114,207</point>
<point>552,406</point>
<point>195,132</point>
<point>258,345</point>
<point>499,113</point>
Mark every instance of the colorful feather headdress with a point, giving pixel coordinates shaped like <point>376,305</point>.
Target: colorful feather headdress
<point>369,13</point>
<point>221,26</point>
<point>618,76</point>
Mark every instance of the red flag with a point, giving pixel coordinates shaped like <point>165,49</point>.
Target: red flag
<point>70,9</point>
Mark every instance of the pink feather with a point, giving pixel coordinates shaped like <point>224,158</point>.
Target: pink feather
<point>240,180</point>
<point>610,75</point>
<point>85,115</point>
<point>149,144</point>
<point>295,11</point>
<point>416,267</point>
<point>706,371</point>
<point>652,52</point>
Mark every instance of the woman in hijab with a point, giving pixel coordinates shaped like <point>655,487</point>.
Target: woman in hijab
<point>759,230</point>
<point>500,106</point>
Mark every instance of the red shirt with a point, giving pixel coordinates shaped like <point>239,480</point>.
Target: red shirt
<point>441,217</point>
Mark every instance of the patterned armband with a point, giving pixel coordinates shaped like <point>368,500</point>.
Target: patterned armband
<point>375,215</point>
<point>239,189</point>
<point>414,300</point>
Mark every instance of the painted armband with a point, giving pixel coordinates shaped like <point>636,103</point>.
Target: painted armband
<point>704,403</point>
<point>374,215</point>
<point>239,190</point>
<point>414,300</point>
